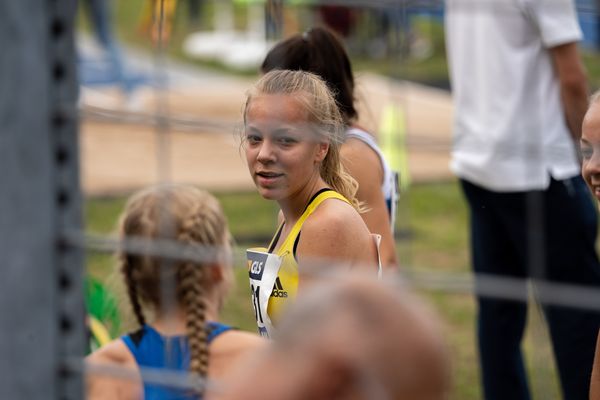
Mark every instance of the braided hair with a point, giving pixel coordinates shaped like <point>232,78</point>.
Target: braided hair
<point>191,217</point>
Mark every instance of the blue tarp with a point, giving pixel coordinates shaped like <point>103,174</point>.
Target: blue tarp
<point>589,19</point>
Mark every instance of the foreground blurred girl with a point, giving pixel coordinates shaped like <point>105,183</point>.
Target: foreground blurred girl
<point>183,333</point>
<point>292,136</point>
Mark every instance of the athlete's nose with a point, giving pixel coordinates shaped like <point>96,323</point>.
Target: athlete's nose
<point>266,153</point>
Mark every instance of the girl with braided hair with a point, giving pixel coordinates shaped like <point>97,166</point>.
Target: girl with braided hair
<point>293,130</point>
<point>184,333</point>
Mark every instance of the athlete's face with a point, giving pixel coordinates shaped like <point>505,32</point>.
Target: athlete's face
<point>282,150</point>
<point>590,149</point>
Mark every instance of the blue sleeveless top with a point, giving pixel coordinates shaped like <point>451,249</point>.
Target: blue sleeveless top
<point>149,348</point>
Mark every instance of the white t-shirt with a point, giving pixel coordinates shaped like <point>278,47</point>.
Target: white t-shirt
<point>510,132</point>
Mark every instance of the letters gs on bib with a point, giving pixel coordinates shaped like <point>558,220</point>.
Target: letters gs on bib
<point>256,267</point>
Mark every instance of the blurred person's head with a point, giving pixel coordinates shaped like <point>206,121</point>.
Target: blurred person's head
<point>590,145</point>
<point>191,218</point>
<point>293,131</point>
<point>351,339</point>
<point>320,51</point>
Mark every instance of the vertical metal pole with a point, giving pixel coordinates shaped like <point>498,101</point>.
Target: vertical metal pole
<point>41,304</point>
<point>71,341</point>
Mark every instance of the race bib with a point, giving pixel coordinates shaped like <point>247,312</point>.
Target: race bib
<point>263,268</point>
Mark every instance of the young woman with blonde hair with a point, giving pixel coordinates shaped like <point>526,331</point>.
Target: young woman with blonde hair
<point>293,130</point>
<point>182,333</point>
<point>320,51</point>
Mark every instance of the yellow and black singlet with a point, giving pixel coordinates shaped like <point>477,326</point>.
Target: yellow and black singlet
<point>286,284</point>
<point>273,274</point>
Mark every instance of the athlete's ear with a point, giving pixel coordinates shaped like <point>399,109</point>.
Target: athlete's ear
<point>322,151</point>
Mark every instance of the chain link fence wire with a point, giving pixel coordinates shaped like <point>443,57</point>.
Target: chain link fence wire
<point>164,122</point>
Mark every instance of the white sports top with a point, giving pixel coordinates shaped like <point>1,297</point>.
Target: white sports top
<point>389,186</point>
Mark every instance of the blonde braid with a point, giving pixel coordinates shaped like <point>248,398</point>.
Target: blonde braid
<point>205,227</point>
<point>193,299</point>
<point>127,269</point>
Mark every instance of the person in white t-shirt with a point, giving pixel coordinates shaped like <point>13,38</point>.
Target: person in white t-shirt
<point>520,94</point>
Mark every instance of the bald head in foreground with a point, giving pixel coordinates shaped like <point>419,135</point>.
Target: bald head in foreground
<point>356,338</point>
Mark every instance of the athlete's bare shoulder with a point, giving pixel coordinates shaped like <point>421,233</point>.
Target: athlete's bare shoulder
<point>115,352</point>
<point>335,216</point>
<point>334,231</point>
<point>102,386</point>
<point>238,341</point>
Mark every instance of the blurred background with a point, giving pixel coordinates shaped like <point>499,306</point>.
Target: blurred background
<point>165,105</point>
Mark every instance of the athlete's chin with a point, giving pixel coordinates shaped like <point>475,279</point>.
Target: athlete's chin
<point>269,193</point>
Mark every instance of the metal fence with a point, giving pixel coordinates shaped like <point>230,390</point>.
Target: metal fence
<point>43,331</point>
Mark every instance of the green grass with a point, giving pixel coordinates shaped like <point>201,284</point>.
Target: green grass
<point>435,216</point>
<point>433,222</point>
<point>591,60</point>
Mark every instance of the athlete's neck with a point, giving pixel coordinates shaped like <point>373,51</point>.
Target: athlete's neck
<point>293,206</point>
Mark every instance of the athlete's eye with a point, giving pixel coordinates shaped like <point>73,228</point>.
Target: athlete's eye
<point>252,138</point>
<point>586,152</point>
<point>286,140</point>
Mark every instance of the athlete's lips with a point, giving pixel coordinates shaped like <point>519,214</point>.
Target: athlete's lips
<point>267,179</point>
<point>268,174</point>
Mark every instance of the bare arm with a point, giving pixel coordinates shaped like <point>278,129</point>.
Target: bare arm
<point>573,85</point>
<point>356,155</point>
<point>102,386</point>
<point>335,236</point>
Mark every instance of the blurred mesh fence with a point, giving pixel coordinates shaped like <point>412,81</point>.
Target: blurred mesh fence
<point>394,37</point>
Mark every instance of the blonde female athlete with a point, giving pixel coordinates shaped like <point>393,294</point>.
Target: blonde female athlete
<point>292,136</point>
<point>320,51</point>
<point>189,337</point>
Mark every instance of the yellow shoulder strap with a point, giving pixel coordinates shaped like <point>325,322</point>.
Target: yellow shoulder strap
<point>312,206</point>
